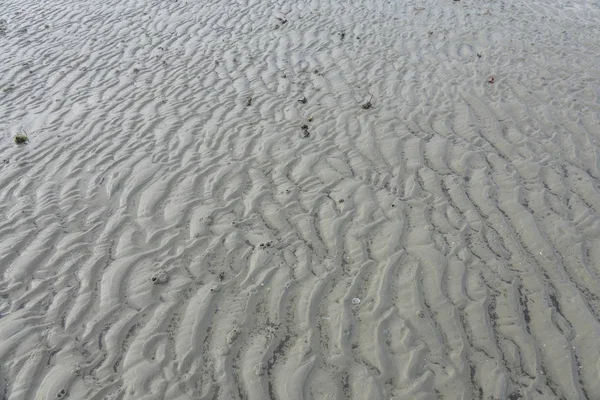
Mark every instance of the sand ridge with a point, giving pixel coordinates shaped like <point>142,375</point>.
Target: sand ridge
<point>205,209</point>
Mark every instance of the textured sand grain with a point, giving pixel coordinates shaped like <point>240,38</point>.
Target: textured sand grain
<point>171,231</point>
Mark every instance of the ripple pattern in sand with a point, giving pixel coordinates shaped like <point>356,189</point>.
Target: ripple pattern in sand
<point>172,231</point>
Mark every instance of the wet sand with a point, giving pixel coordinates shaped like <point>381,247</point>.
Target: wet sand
<point>300,200</point>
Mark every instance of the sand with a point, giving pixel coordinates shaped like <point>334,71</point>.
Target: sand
<point>300,200</point>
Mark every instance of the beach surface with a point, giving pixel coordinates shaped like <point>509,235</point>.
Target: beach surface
<point>290,200</point>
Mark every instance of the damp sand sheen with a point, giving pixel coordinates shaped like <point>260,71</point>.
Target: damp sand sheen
<point>343,199</point>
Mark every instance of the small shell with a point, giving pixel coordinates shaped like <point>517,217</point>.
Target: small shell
<point>356,300</point>
<point>232,335</point>
<point>160,277</point>
<point>259,369</point>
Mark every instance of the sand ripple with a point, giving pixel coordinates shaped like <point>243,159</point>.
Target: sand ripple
<point>171,231</point>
